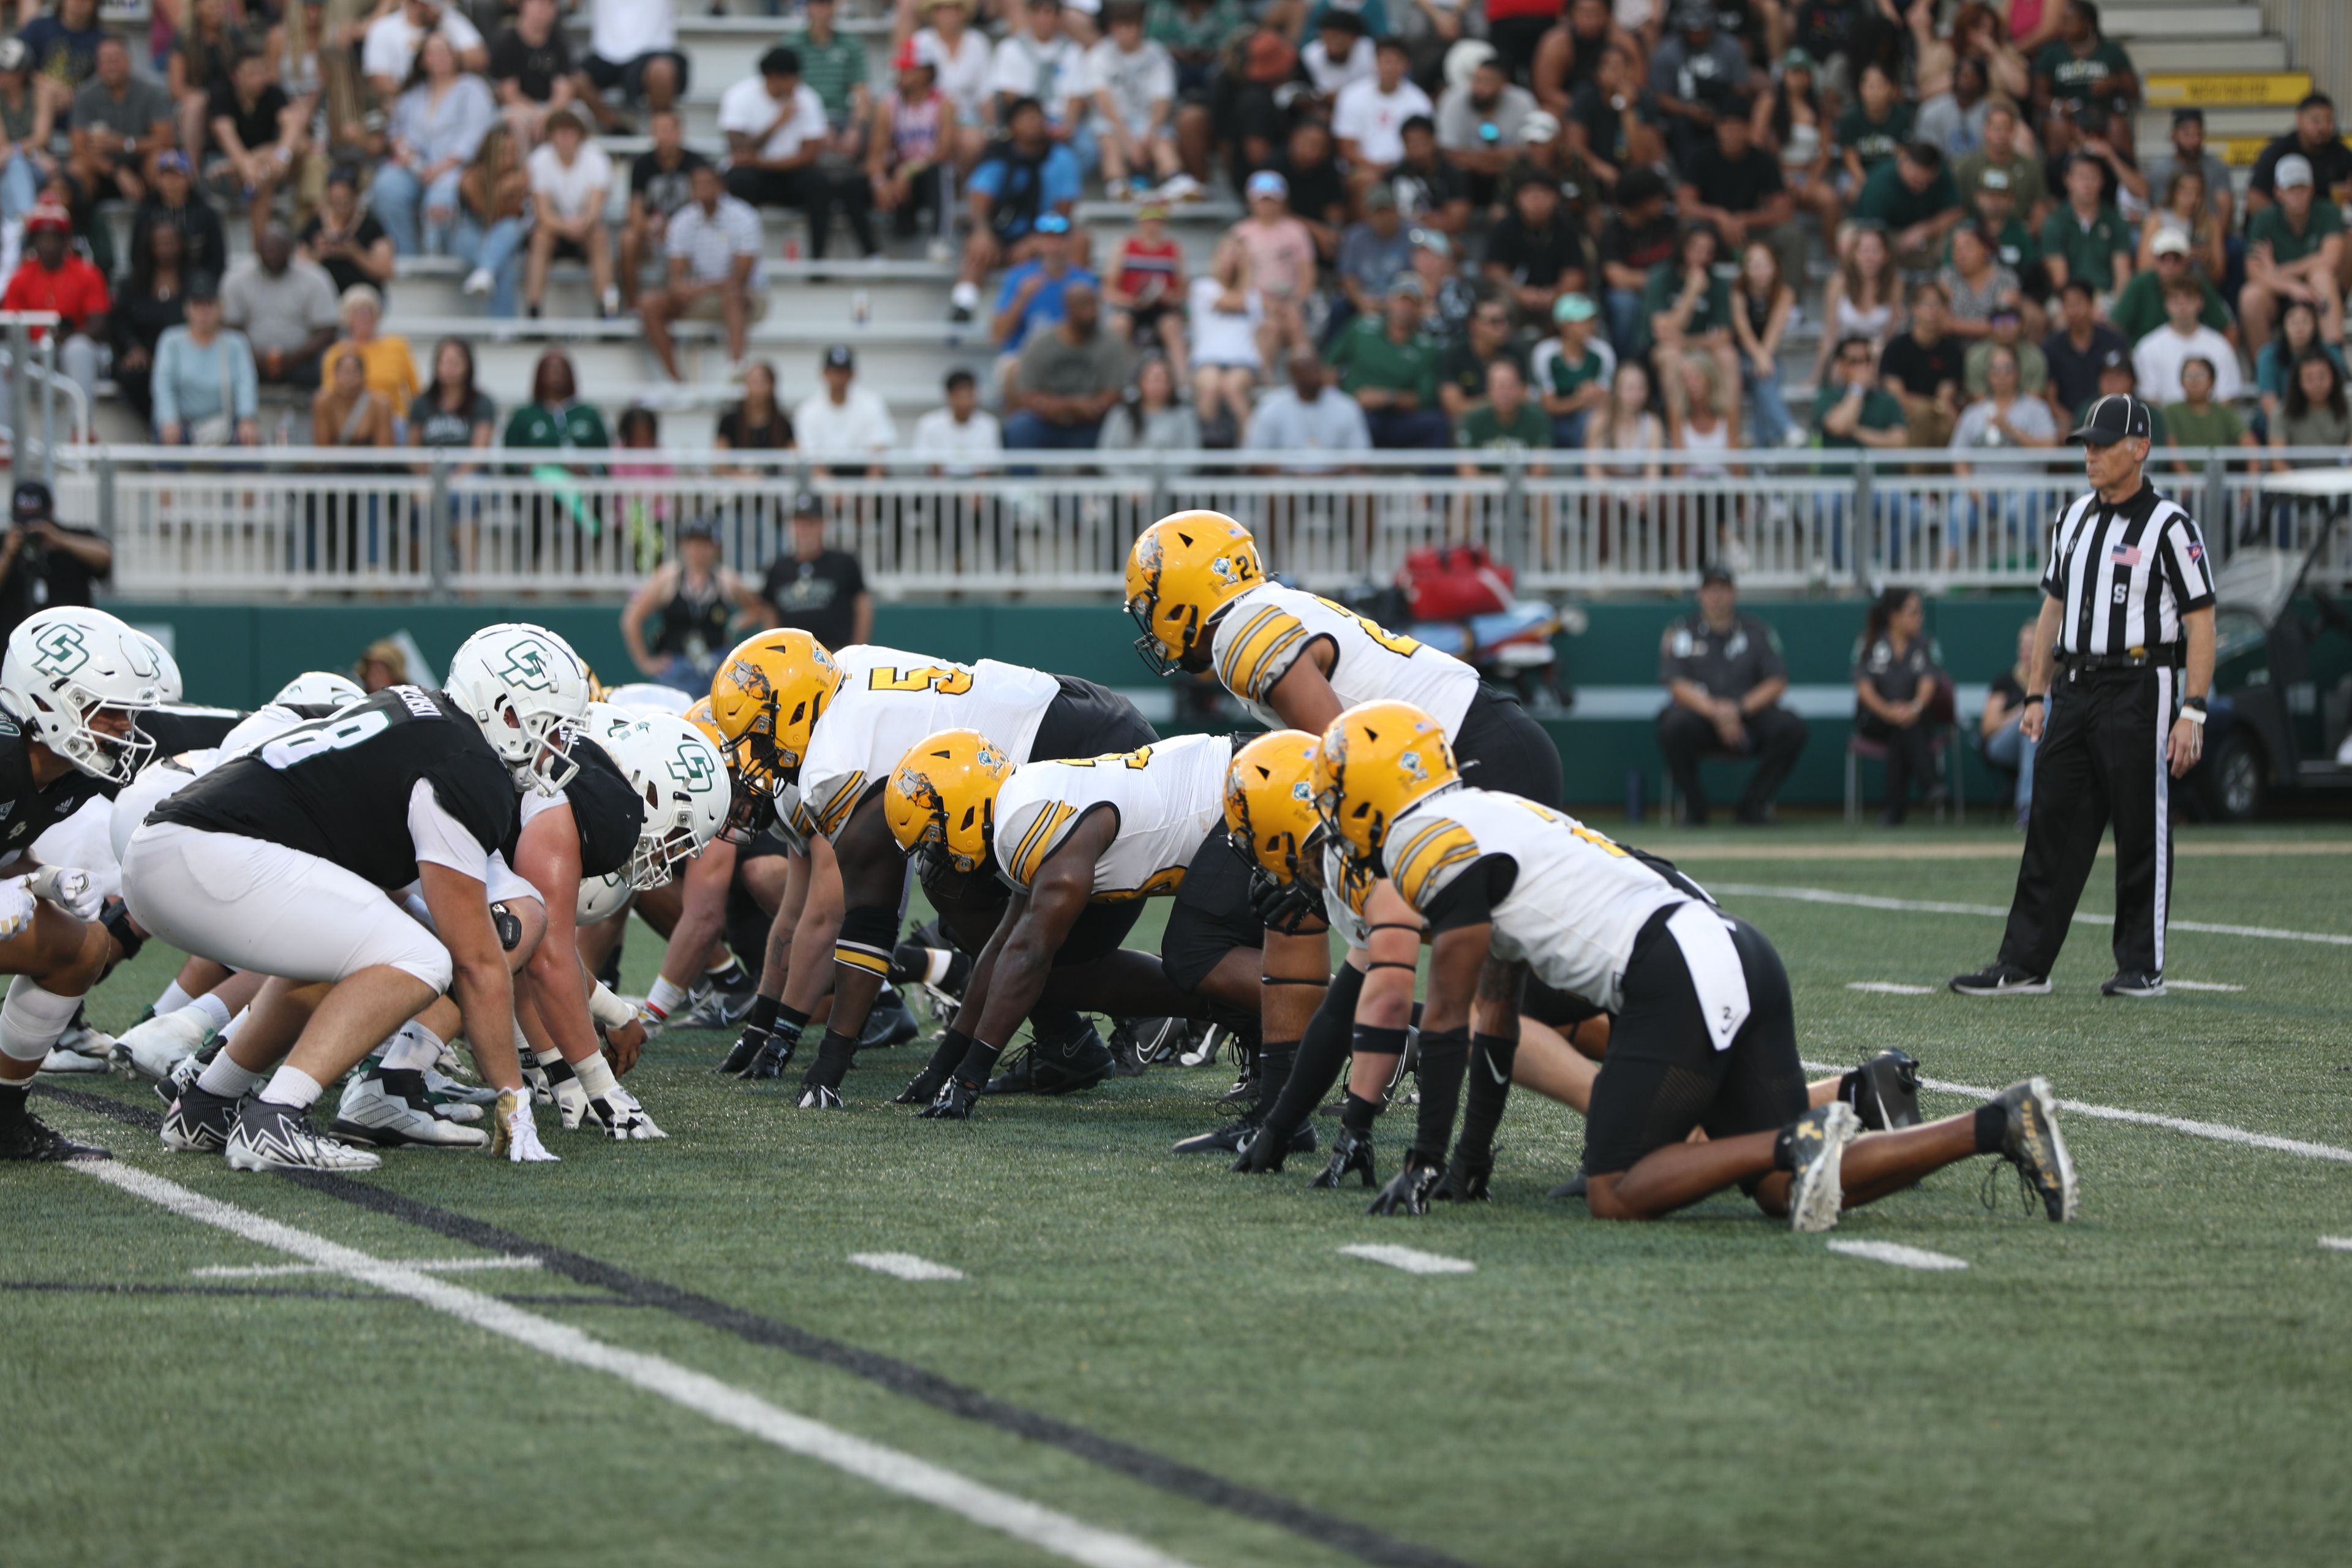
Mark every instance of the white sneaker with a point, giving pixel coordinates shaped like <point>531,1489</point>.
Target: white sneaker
<point>612,300</point>
<point>151,1049</point>
<point>1180,188</point>
<point>62,1061</point>
<point>479,282</point>
<point>279,1138</point>
<point>624,1120</point>
<point>512,1134</point>
<point>374,1111</point>
<point>84,1041</point>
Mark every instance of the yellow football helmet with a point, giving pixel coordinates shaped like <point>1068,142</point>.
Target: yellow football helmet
<point>699,716</point>
<point>750,812</point>
<point>766,699</point>
<point>943,796</point>
<point>1182,569</point>
<point>1270,813</point>
<point>1374,761</point>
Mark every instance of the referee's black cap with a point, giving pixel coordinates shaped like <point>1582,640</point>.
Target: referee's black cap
<point>2119,416</point>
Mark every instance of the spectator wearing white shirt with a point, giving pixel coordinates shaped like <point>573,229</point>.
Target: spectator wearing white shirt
<point>845,417</point>
<point>714,270</point>
<point>569,177</point>
<point>1133,83</point>
<point>1339,55</point>
<point>1038,60</point>
<point>632,45</point>
<point>1369,117</point>
<point>388,51</point>
<point>962,438</point>
<point>2157,358</point>
<point>960,53</point>
<point>1308,416</point>
<point>776,131</point>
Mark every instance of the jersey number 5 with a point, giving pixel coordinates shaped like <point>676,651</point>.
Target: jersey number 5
<point>941,679</point>
<point>1402,647</point>
<point>309,742</point>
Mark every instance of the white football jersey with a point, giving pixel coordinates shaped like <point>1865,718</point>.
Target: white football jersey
<point>1260,634</point>
<point>1167,796</point>
<point>891,701</point>
<point>1576,905</point>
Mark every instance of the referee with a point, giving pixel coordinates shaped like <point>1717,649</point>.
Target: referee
<point>2127,624</point>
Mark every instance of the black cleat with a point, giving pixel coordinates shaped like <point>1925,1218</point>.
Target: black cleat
<point>1883,1091</point>
<point>1137,1043</point>
<point>2133,983</point>
<point>1571,1188</point>
<point>1259,1154</point>
<point>1408,1191</point>
<point>1056,1067</point>
<point>1351,1153</point>
<point>889,1023</point>
<point>2002,980</point>
<point>199,1121</point>
<point>24,1136</point>
<point>2036,1147</point>
<point>1234,1139</point>
<point>717,1010</point>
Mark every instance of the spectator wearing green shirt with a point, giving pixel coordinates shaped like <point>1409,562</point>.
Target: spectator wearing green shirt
<point>1872,128</point>
<point>1194,33</point>
<point>1912,198</point>
<point>2294,248</point>
<point>1571,372</point>
<point>2086,238</point>
<point>1860,415</point>
<point>1390,370</point>
<point>1508,421</point>
<point>833,65</point>
<point>2082,65</point>
<point>2013,245</point>
<point>2140,308</point>
<point>1686,307</point>
<point>555,418</point>
<point>2029,197</point>
<point>2196,420</point>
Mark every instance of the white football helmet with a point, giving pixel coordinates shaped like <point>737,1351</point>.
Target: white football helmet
<point>601,898</point>
<point>321,688</point>
<point>605,720</point>
<point>683,782</point>
<point>173,687</point>
<point>65,666</point>
<point>526,688</point>
<point>643,697</point>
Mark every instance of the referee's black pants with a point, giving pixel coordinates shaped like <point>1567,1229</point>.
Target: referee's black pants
<point>2101,761</point>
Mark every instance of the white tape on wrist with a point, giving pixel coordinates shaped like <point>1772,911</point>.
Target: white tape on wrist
<point>609,1011</point>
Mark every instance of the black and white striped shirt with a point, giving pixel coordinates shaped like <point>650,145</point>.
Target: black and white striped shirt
<point>2126,574</point>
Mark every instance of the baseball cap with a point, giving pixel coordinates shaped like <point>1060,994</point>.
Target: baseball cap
<point>1151,210</point>
<point>1539,130</point>
<point>2114,359</point>
<point>698,528</point>
<point>2295,169</point>
<point>1431,239</point>
<point>47,214</point>
<point>2114,417</point>
<point>1797,59</point>
<point>2168,242</point>
<point>172,158</point>
<point>1715,574</point>
<point>1052,223</point>
<point>805,504</point>
<point>838,357</point>
<point>1407,283</point>
<point>201,286</point>
<point>1572,308</point>
<point>1994,180</point>
<point>1267,182</point>
<point>1379,199</point>
<point>31,501</point>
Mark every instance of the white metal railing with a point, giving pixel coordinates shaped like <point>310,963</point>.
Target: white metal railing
<point>243,522</point>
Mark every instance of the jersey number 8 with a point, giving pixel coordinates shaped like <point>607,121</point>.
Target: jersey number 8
<point>293,746</point>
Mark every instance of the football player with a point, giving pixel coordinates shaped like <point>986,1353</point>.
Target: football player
<point>1704,1034</point>
<point>1067,837</point>
<point>278,861</point>
<point>72,684</point>
<point>822,732</point>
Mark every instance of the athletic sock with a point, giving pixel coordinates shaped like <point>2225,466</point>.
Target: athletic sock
<point>1275,1063</point>
<point>833,1055</point>
<point>215,1011</point>
<point>1444,1059</point>
<point>1356,1114</point>
<point>12,1097</point>
<point>223,1077</point>
<point>229,1029</point>
<point>292,1087</point>
<point>595,1076</point>
<point>666,997</point>
<point>729,976</point>
<point>1491,1056</point>
<point>1992,1129</point>
<point>32,1019</point>
<point>412,1049</point>
<point>173,999</point>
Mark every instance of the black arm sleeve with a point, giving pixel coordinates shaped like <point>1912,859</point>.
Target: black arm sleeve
<point>1470,899</point>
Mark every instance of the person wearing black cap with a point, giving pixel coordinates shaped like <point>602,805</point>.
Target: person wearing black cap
<point>843,417</point>
<point>2123,660</point>
<point>699,607</point>
<point>823,592</point>
<point>1726,675</point>
<point>44,565</point>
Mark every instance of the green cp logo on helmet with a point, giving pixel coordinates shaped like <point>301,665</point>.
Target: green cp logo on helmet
<point>62,651</point>
<point>692,768</point>
<point>525,666</point>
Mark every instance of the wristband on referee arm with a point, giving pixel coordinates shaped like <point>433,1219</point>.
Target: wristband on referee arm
<point>2193,709</point>
<point>2032,698</point>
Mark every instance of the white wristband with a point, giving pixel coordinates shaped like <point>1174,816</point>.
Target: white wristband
<point>2195,715</point>
<point>609,1011</point>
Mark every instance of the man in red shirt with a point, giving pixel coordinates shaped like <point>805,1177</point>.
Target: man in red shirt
<point>54,279</point>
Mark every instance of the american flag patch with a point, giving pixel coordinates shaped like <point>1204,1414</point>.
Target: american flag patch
<point>2124,555</point>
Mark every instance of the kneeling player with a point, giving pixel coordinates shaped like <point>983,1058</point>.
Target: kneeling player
<point>1704,1034</point>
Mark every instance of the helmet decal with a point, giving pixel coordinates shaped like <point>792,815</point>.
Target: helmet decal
<point>62,650</point>
<point>1410,762</point>
<point>526,666</point>
<point>692,768</point>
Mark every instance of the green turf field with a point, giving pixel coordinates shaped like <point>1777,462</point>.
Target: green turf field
<point>2165,1382</point>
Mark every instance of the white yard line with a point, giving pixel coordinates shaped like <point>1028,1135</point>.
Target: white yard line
<point>2216,1130</point>
<point>1900,1255</point>
<point>2340,1243</point>
<point>1412,1259</point>
<point>1889,988</point>
<point>2200,985</point>
<point>889,1469</point>
<point>904,1265</point>
<point>1997,911</point>
<point>428,1265</point>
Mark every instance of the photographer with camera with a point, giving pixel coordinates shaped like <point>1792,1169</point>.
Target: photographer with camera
<point>43,565</point>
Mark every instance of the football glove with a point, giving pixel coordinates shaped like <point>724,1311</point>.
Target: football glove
<point>1408,1190</point>
<point>1260,1155</point>
<point>512,1134</point>
<point>1465,1181</point>
<point>68,889</point>
<point>17,907</point>
<point>953,1102</point>
<point>622,1119</point>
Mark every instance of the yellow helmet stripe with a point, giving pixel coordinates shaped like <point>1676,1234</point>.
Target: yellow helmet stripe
<point>1428,852</point>
<point>836,809</point>
<point>1029,855</point>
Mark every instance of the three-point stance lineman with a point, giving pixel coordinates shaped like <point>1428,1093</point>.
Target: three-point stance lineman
<point>2128,613</point>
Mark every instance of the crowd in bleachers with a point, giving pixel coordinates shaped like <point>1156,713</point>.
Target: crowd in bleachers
<point>1494,223</point>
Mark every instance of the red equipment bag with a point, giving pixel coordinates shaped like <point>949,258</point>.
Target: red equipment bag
<point>1454,583</point>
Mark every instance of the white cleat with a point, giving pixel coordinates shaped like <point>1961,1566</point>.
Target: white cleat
<point>374,1111</point>
<point>279,1138</point>
<point>624,1120</point>
<point>62,1061</point>
<point>572,1105</point>
<point>511,1132</point>
<point>149,1051</point>
<point>1817,1191</point>
<point>447,1090</point>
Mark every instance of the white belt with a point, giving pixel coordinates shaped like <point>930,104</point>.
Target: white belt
<point>1705,937</point>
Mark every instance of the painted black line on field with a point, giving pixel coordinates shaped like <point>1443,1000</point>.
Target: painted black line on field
<point>905,1378</point>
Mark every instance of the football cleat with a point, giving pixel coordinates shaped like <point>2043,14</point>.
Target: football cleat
<point>1257,1155</point>
<point>1055,1067</point>
<point>1574,1187</point>
<point>1465,1181</point>
<point>168,1088</point>
<point>24,1136</point>
<point>622,1119</point>
<point>1883,1091</point>
<point>953,1102</point>
<point>1351,1155</point>
<point>151,1049</point>
<point>889,1022</point>
<point>819,1097</point>
<point>717,1010</point>
<point>2035,1146</point>
<point>2132,983</point>
<point>511,1132</point>
<point>2002,980</point>
<point>389,1111</point>
<point>446,1094</point>
<point>84,1041</point>
<point>270,1137</point>
<point>199,1121</point>
<point>535,1079</point>
<point>1137,1043</point>
<point>1817,1140</point>
<point>1238,1137</point>
<point>1408,1191</point>
<point>61,1062</point>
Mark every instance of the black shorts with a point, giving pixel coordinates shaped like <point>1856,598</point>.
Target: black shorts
<point>1211,914</point>
<point>1664,1076</point>
<point>1500,748</point>
<point>630,76</point>
<point>1563,1010</point>
<point>1088,720</point>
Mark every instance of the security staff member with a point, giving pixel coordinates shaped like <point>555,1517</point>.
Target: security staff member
<point>1726,674</point>
<point>2128,613</point>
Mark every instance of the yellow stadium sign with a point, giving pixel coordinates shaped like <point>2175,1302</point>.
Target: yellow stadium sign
<point>2231,89</point>
<point>2240,152</point>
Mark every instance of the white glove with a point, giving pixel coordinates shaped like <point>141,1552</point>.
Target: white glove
<point>623,1118</point>
<point>572,1102</point>
<point>514,1136</point>
<point>68,889</point>
<point>16,906</point>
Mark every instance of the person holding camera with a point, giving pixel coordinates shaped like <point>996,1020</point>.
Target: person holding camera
<point>42,565</point>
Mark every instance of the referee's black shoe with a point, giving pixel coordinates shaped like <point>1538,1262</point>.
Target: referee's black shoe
<point>2002,980</point>
<point>2133,983</point>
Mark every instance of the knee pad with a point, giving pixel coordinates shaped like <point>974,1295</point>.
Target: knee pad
<point>868,935</point>
<point>509,926</point>
<point>116,918</point>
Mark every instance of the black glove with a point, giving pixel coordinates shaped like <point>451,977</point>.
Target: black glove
<point>746,1047</point>
<point>954,1101</point>
<point>1408,1190</point>
<point>1282,907</point>
<point>921,1089</point>
<point>1465,1181</point>
<point>1261,1154</point>
<point>773,1056</point>
<point>1351,1151</point>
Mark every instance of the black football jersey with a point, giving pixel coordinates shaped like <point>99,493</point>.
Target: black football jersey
<point>27,810</point>
<point>605,808</point>
<point>338,787</point>
<point>177,727</point>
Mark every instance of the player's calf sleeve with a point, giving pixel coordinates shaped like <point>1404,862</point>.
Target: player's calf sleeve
<point>173,999</point>
<point>32,1019</point>
<point>834,1052</point>
<point>1444,1059</point>
<point>1491,1056</point>
<point>1276,1060</point>
<point>1322,1051</point>
<point>1356,1114</point>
